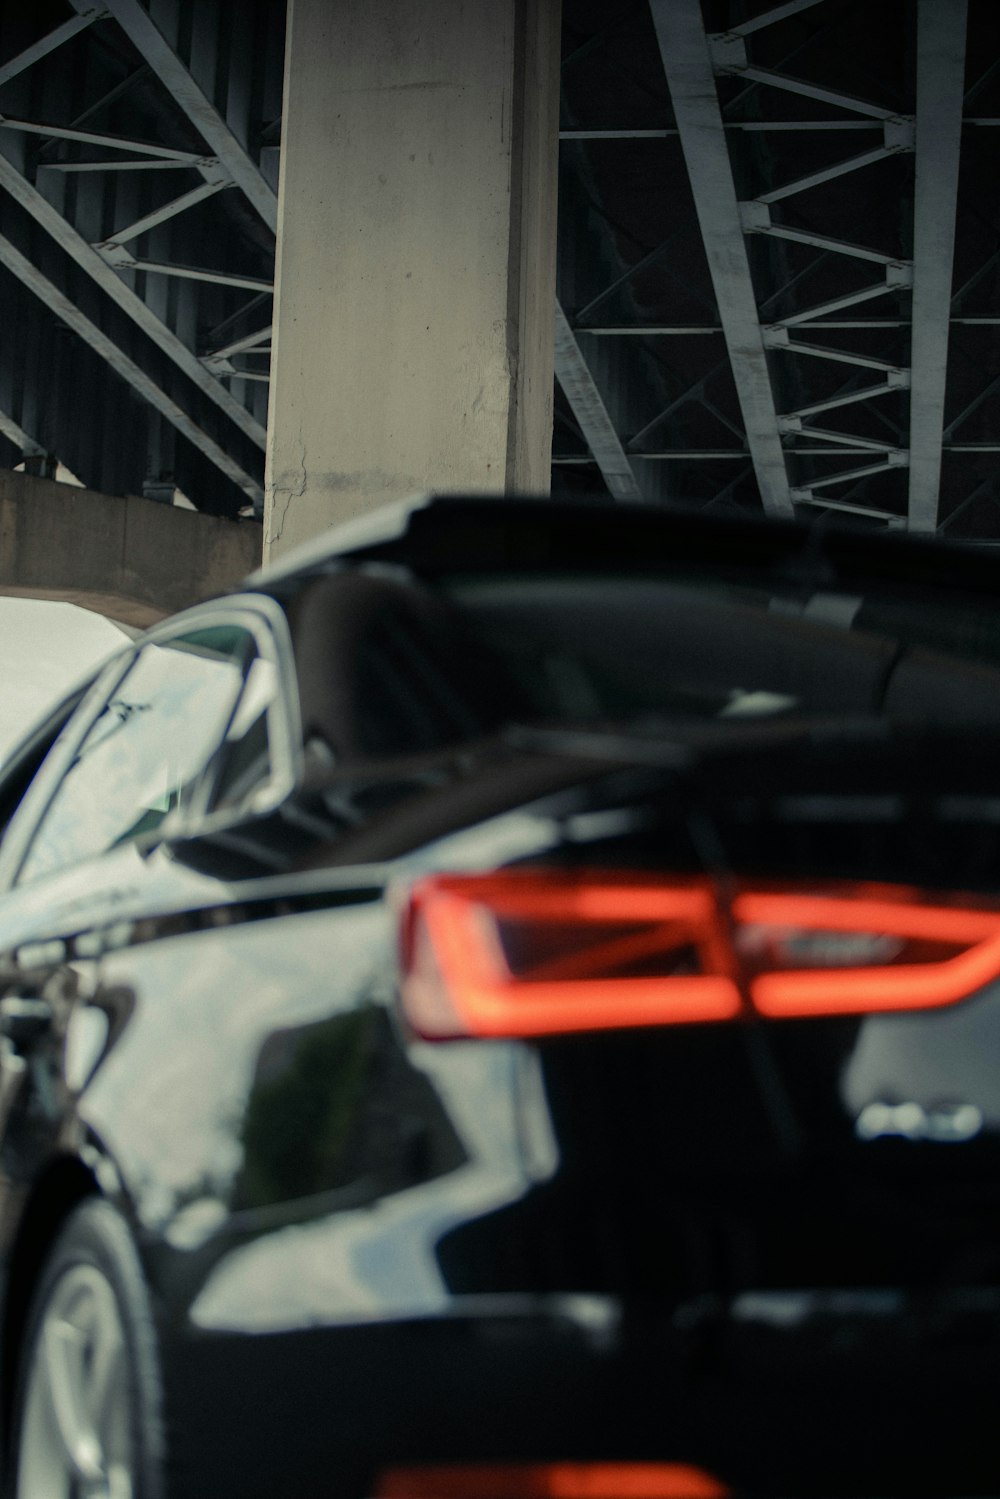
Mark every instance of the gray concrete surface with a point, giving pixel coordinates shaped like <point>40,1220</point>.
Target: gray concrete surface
<point>416,256</point>
<point>128,558</point>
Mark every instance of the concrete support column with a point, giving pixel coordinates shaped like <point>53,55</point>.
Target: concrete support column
<point>416,256</point>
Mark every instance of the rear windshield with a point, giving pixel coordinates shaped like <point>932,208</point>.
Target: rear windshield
<point>586,648</point>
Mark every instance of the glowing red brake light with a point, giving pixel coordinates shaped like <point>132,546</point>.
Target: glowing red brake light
<point>542,952</point>
<point>931,955</point>
<point>518,954</point>
<point>551,1481</point>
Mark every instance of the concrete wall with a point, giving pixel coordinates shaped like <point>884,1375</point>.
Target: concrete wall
<point>130,559</point>
<point>416,256</point>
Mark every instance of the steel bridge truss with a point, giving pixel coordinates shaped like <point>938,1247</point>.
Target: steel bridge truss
<point>823,177</point>
<point>778,277</point>
<point>122,215</point>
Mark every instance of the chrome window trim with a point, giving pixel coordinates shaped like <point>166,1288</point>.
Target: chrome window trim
<point>264,619</point>
<point>38,798</point>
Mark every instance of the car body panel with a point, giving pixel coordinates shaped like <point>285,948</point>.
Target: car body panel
<point>721,1244</point>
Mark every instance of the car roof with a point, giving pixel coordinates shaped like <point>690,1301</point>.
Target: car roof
<point>440,535</point>
<point>384,523</point>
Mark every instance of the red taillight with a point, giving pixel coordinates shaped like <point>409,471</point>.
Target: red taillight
<point>933,955</point>
<point>551,1481</point>
<point>522,954</point>
<point>542,952</point>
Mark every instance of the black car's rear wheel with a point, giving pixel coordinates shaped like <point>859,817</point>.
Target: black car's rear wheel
<point>87,1421</point>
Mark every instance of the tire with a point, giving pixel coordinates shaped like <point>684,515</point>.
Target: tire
<point>88,1404</point>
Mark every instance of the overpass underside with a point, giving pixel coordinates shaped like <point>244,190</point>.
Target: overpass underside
<point>777,274</point>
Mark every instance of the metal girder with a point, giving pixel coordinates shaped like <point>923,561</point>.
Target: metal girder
<point>587,405</point>
<point>16,434</point>
<point>88,13</point>
<point>71,315</point>
<point>941,27</point>
<point>846,439</point>
<point>695,393</point>
<point>983,490</point>
<point>821,502</point>
<point>728,54</point>
<point>688,68</point>
<point>973,406</point>
<point>769,17</point>
<point>117,166</point>
<point>755,217</point>
<point>893,460</point>
<point>745,126</point>
<point>644,264</point>
<point>810,315</point>
<point>615,135</point>
<point>112,142</point>
<point>251,343</point>
<point>777,338</point>
<point>697,455</point>
<point>838,169</point>
<point>893,383</point>
<point>961,292</point>
<point>91,262</point>
<point>651,330</point>
<point>168,211</point>
<point>141,30</point>
<point>121,259</point>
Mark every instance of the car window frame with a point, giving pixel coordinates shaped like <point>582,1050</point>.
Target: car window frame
<point>265,621</point>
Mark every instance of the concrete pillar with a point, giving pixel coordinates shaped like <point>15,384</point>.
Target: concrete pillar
<point>416,256</point>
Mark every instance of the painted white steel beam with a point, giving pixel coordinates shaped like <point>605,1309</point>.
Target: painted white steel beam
<point>838,169</point>
<point>694,455</point>
<point>749,127</point>
<point>112,142</point>
<point>893,460</point>
<point>70,314</point>
<point>87,13</point>
<point>755,217</point>
<point>587,405</point>
<point>897,278</point>
<point>87,258</point>
<point>729,55</point>
<point>250,344</point>
<point>688,68</point>
<point>118,166</point>
<point>846,439</point>
<point>142,31</point>
<point>941,26</point>
<point>821,502</point>
<point>777,338</point>
<point>168,211</point>
<point>15,433</point>
<point>790,422</point>
<point>117,256</point>
<point>651,330</point>
<point>769,17</point>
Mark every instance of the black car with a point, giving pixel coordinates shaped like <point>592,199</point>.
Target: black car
<point>508,1005</point>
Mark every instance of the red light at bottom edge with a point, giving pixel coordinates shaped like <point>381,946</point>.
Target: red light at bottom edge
<point>551,1481</point>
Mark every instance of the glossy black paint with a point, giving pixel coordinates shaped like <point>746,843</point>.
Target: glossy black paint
<point>366,1249</point>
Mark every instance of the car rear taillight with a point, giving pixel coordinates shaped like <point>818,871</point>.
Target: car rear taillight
<point>871,950</point>
<point>551,1481</point>
<point>542,952</point>
<point>525,954</point>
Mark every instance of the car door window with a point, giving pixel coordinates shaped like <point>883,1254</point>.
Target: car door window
<point>145,754</point>
<point>245,760</point>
